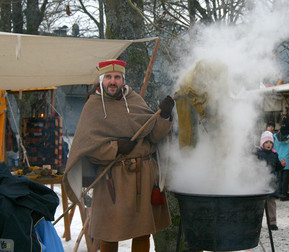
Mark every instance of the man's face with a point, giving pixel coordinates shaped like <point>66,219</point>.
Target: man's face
<point>112,83</point>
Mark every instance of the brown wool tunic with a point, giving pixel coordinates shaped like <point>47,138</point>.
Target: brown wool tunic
<point>96,138</point>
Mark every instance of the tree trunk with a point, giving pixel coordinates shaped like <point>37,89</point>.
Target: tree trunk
<point>123,22</point>
<point>192,11</point>
<point>101,19</point>
<point>34,15</point>
<point>17,16</point>
<point>5,20</point>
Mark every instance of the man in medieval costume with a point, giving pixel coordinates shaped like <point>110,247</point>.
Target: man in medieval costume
<point>122,202</point>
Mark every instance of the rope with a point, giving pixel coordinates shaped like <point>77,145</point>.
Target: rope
<point>56,110</point>
<point>25,158</point>
<point>64,122</point>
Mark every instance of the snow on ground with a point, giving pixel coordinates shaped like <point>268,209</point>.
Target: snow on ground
<point>75,228</point>
<point>280,237</point>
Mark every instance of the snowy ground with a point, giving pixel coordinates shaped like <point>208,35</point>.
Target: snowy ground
<point>76,227</point>
<point>280,237</point>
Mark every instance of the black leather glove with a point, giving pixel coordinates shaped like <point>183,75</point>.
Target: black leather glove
<point>166,106</point>
<point>125,146</point>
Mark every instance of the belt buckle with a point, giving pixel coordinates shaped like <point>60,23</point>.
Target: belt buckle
<point>131,164</point>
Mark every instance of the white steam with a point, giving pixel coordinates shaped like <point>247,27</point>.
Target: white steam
<point>223,162</point>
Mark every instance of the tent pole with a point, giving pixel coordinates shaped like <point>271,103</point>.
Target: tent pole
<point>3,157</point>
<point>3,109</point>
<point>52,101</point>
<point>150,67</point>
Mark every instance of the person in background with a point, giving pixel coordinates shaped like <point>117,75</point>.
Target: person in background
<point>11,145</point>
<point>281,145</point>
<point>124,204</point>
<point>270,126</point>
<point>267,153</point>
<point>65,152</point>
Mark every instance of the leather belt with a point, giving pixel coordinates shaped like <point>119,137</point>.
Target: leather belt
<point>134,165</point>
<point>131,163</point>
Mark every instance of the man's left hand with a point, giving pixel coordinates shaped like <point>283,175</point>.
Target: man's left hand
<point>166,107</point>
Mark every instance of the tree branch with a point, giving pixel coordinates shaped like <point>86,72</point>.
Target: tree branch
<point>168,12</point>
<point>88,14</point>
<point>147,19</point>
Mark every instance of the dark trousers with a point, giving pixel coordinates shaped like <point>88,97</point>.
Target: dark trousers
<point>271,204</point>
<point>284,180</point>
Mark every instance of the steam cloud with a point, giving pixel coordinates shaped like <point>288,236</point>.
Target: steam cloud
<point>222,162</point>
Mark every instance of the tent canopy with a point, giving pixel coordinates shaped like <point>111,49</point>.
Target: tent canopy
<point>28,61</point>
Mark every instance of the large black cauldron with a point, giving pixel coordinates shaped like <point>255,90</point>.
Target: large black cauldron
<point>221,222</point>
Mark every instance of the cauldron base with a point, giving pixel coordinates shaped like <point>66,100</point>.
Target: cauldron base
<point>221,223</point>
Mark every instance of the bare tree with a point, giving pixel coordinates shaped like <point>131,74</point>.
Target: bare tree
<point>85,16</point>
<point>173,17</point>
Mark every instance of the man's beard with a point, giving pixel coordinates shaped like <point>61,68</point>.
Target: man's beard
<point>118,92</point>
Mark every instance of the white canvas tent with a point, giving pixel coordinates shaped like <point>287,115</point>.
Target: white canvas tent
<point>28,61</point>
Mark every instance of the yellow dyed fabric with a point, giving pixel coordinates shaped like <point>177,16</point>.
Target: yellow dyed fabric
<point>184,120</point>
<point>189,99</point>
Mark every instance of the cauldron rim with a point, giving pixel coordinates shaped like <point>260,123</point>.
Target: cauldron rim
<point>263,194</point>
<point>221,222</point>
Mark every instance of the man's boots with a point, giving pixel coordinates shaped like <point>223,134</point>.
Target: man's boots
<point>141,244</point>
<point>108,246</point>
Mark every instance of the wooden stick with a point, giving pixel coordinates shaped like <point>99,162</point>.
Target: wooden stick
<point>102,174</point>
<point>85,226</point>
<point>143,127</point>
<point>85,214</point>
<point>150,67</point>
<point>148,121</point>
<point>64,213</point>
<point>88,188</point>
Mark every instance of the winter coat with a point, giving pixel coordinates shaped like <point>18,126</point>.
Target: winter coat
<point>96,139</point>
<point>281,145</point>
<point>23,203</point>
<point>271,158</point>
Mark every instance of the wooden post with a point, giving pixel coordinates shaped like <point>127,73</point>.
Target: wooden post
<point>52,100</point>
<point>150,67</point>
<point>66,234</point>
<point>84,214</point>
<point>3,156</point>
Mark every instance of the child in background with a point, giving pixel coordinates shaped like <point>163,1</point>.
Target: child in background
<point>270,126</point>
<point>266,152</point>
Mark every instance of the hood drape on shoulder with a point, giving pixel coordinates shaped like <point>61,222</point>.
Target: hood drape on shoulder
<point>94,131</point>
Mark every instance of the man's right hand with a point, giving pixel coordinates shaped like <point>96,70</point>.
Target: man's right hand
<point>125,146</point>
